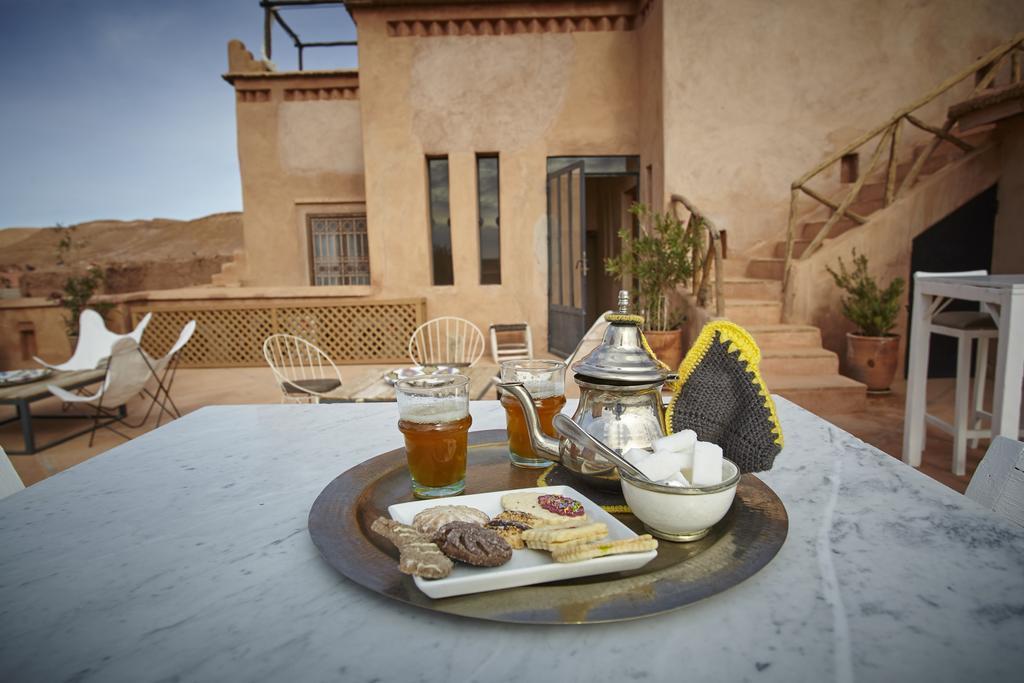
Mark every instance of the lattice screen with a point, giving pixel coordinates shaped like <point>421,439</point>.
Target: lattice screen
<point>232,335</point>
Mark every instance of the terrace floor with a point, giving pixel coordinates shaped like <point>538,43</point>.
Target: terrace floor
<point>881,424</point>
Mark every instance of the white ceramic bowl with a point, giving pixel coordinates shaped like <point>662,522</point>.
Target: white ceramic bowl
<point>677,513</point>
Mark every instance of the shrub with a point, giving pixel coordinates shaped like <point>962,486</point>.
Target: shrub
<point>872,309</point>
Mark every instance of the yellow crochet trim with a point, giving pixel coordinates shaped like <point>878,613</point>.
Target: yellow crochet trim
<point>542,480</point>
<point>624,318</point>
<point>737,338</point>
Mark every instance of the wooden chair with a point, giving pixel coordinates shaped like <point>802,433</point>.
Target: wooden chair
<point>304,373</point>
<point>446,341</point>
<point>998,483</point>
<point>510,341</point>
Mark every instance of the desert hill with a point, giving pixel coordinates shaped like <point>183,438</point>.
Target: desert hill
<point>144,254</point>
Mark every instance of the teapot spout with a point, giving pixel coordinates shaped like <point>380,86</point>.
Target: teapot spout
<point>544,445</point>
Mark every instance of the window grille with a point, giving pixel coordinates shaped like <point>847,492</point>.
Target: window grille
<point>340,252</point>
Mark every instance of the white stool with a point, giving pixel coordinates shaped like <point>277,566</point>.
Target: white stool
<point>965,327</point>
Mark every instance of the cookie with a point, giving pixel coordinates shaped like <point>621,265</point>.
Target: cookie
<point>532,521</point>
<point>554,507</point>
<point>473,545</point>
<point>588,551</point>
<point>510,530</point>
<point>551,539</point>
<point>430,520</point>
<point>417,555</point>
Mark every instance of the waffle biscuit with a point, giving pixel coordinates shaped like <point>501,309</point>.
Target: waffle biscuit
<point>588,551</point>
<point>429,521</point>
<point>417,555</point>
<point>550,539</point>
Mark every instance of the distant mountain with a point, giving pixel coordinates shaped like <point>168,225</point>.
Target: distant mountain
<point>154,254</point>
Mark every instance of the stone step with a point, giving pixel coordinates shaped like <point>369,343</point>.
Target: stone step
<point>751,288</point>
<point>747,312</point>
<point>808,231</point>
<point>799,361</point>
<point>766,268</point>
<point>783,336</point>
<point>798,248</point>
<point>734,267</point>
<point>821,394</point>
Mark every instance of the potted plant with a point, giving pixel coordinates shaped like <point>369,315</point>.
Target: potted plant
<point>658,260</point>
<point>78,289</point>
<point>871,351</point>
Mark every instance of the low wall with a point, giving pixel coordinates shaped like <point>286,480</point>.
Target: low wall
<point>28,327</point>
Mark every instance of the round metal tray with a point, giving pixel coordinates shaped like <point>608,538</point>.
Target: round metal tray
<point>741,544</point>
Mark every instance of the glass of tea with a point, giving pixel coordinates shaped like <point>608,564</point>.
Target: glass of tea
<point>545,380</point>
<point>434,418</point>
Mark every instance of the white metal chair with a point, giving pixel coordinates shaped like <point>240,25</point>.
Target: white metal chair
<point>998,483</point>
<point>95,342</point>
<point>303,371</point>
<point>10,482</point>
<point>510,341</point>
<point>128,371</point>
<point>965,327</point>
<point>446,341</point>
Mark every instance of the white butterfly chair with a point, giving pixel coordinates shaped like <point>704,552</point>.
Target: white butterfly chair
<point>446,341</point>
<point>128,371</point>
<point>304,373</point>
<point>95,342</point>
<point>10,482</point>
<point>164,370</point>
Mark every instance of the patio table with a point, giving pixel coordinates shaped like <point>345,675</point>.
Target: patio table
<point>1003,297</point>
<point>22,396</point>
<point>184,555</point>
<point>367,384</point>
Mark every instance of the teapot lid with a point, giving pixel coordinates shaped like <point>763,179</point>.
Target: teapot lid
<point>621,357</point>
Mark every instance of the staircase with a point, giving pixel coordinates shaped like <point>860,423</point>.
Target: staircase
<point>793,362</point>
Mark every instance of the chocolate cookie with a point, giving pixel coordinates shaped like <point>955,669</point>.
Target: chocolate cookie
<point>473,544</point>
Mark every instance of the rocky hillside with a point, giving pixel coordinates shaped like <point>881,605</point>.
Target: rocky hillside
<point>135,255</point>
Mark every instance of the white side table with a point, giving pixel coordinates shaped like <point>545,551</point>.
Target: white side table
<point>1003,297</point>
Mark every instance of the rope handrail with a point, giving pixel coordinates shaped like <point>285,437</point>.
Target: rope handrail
<point>702,260</point>
<point>987,68</point>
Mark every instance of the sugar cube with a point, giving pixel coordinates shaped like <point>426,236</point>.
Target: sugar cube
<point>680,441</point>
<point>635,456</point>
<point>677,479</point>
<point>707,464</point>
<point>661,465</point>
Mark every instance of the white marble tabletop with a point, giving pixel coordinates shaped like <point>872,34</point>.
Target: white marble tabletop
<point>183,555</point>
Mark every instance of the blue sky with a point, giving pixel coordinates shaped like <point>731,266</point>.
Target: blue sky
<point>117,109</point>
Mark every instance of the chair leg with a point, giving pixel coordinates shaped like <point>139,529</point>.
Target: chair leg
<point>963,377</point>
<point>980,370</point>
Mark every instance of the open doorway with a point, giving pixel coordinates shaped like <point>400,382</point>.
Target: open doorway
<point>588,205</point>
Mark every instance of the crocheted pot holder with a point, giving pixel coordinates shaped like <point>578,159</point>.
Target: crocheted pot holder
<point>722,396</point>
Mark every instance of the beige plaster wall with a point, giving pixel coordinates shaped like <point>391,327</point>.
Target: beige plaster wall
<point>757,93</point>
<point>297,156</point>
<point>886,240</point>
<point>1008,237</point>
<point>525,96</point>
<point>45,319</point>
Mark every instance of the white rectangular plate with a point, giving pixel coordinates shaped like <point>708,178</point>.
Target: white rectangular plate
<point>526,567</point>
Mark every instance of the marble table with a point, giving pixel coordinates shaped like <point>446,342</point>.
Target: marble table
<point>184,555</point>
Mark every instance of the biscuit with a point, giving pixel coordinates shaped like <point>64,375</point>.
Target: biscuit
<point>552,507</point>
<point>510,530</point>
<point>430,520</point>
<point>417,555</point>
<point>532,521</point>
<point>588,551</point>
<point>473,545</point>
<point>552,539</point>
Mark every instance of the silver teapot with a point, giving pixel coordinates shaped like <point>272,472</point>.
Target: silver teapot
<point>620,403</point>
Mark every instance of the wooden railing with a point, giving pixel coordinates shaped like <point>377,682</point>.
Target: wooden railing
<point>705,253</point>
<point>986,69</point>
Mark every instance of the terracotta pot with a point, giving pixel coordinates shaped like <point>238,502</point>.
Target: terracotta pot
<point>872,360</point>
<point>667,346</point>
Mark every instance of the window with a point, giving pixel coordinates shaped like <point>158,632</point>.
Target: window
<point>489,218</point>
<point>339,250</point>
<point>440,221</point>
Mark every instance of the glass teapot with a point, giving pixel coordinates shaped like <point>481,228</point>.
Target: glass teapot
<point>620,401</point>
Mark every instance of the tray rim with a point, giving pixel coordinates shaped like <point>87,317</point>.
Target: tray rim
<point>361,476</point>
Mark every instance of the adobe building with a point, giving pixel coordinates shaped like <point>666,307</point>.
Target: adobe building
<point>484,154</point>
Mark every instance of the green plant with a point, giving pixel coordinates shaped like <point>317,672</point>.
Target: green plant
<point>872,309</point>
<point>78,289</point>
<point>658,260</point>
